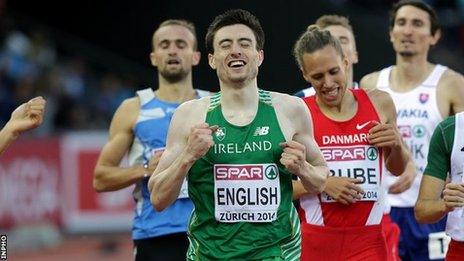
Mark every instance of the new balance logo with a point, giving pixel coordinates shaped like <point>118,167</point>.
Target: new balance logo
<point>261,131</point>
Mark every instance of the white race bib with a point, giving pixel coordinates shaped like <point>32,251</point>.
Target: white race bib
<point>358,162</point>
<point>246,192</point>
<point>438,245</point>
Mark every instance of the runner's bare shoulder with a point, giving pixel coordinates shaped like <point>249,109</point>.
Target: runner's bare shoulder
<point>383,103</point>
<point>369,81</point>
<point>293,114</point>
<point>192,112</point>
<point>451,81</point>
<point>288,104</point>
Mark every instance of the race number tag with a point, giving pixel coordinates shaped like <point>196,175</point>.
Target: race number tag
<point>358,162</point>
<point>184,190</point>
<point>246,193</point>
<point>438,245</point>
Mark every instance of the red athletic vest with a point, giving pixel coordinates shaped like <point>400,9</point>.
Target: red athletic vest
<point>348,153</point>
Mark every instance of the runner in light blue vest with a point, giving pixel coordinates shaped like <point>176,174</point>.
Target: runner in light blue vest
<point>139,127</point>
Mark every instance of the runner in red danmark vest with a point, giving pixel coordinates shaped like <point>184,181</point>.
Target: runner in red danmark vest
<point>357,134</point>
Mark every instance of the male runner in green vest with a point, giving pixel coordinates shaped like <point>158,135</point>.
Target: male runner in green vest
<point>237,150</point>
<point>437,196</point>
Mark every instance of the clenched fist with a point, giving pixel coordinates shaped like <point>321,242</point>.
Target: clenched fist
<point>293,157</point>
<point>200,140</point>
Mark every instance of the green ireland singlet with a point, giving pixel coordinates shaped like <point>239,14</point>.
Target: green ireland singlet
<point>242,195</point>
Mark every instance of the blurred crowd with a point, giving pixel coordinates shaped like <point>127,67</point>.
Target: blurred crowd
<point>79,96</point>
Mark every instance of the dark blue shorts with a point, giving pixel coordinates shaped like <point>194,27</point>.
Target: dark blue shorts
<point>414,237</point>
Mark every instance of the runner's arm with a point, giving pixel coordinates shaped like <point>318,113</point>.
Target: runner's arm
<point>298,189</point>
<point>185,144</point>
<point>452,87</point>
<point>386,135</point>
<point>368,82</point>
<point>405,180</point>
<point>430,207</point>
<point>313,175</point>
<point>108,176</point>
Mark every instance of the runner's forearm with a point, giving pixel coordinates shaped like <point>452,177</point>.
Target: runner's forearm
<point>429,210</point>
<point>108,178</point>
<point>397,160</point>
<point>6,137</point>
<point>314,178</point>
<point>298,189</point>
<point>165,186</point>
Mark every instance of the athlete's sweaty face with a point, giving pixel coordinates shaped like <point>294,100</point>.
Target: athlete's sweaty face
<point>173,52</point>
<point>326,69</point>
<point>235,58</point>
<point>411,32</point>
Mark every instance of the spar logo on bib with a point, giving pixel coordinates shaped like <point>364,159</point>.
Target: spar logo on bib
<point>372,153</point>
<point>271,172</point>
<point>346,153</point>
<point>350,153</point>
<point>239,172</point>
<point>245,172</point>
<point>419,131</point>
<point>246,192</point>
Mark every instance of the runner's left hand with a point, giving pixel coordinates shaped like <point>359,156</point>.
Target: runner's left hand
<point>384,135</point>
<point>293,157</point>
<point>453,195</point>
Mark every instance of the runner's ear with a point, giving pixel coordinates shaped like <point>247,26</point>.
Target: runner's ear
<point>211,61</point>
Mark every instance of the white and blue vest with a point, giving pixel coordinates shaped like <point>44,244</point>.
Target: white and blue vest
<point>417,116</point>
<point>150,133</point>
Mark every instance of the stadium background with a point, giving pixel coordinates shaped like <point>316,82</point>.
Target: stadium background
<point>87,56</point>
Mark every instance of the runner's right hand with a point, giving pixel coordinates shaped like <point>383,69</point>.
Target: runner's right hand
<point>27,116</point>
<point>404,181</point>
<point>200,140</point>
<point>343,189</point>
<point>453,195</point>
